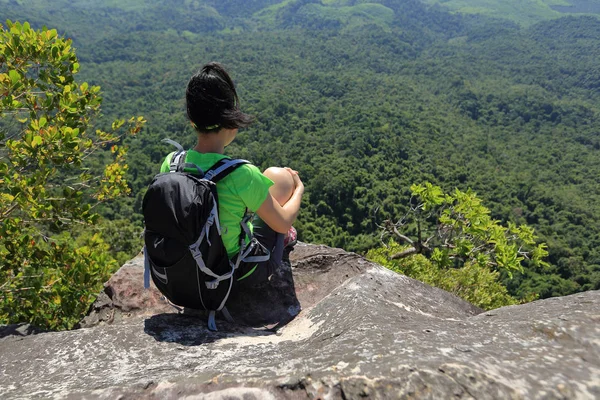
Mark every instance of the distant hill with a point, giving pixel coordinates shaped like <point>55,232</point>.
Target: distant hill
<point>524,12</point>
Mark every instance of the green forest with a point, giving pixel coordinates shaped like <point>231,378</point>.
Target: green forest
<point>364,99</point>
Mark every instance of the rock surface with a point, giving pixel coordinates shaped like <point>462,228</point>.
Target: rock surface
<point>363,332</point>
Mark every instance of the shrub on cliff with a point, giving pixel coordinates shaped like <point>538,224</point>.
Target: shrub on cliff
<point>47,182</point>
<point>458,247</point>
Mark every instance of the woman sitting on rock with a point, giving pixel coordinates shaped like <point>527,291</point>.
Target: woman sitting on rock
<point>274,195</point>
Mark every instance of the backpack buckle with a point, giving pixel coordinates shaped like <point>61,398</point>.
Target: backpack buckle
<point>212,284</point>
<point>209,175</point>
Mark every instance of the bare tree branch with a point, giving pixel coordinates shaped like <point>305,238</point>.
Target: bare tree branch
<point>7,212</point>
<point>404,254</point>
<point>402,237</point>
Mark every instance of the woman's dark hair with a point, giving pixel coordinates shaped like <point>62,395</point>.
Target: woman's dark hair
<point>212,102</point>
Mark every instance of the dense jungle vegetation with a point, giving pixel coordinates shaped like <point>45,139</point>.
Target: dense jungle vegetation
<point>365,98</point>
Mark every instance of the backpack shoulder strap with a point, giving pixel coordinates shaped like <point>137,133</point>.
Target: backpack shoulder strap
<point>178,158</point>
<point>223,168</point>
<point>178,161</point>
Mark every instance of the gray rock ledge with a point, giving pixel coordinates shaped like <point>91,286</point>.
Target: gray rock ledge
<point>363,332</point>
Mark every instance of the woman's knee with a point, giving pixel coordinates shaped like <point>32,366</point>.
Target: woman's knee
<point>283,184</point>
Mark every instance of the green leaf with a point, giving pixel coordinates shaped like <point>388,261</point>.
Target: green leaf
<point>28,137</point>
<point>37,140</point>
<point>14,76</point>
<point>117,124</point>
<point>7,197</point>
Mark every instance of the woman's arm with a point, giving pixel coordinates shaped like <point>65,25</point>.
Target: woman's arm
<point>280,218</point>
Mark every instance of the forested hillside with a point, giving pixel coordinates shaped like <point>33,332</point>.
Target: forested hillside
<point>524,12</point>
<point>364,99</point>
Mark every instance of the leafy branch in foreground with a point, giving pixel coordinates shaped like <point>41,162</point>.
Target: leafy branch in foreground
<point>458,246</point>
<point>45,184</point>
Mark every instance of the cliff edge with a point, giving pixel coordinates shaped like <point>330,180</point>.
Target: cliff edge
<point>363,332</point>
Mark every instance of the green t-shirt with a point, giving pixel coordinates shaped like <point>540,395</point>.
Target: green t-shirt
<point>245,187</point>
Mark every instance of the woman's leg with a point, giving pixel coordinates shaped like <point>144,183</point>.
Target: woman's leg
<point>273,241</point>
<point>283,186</point>
<point>282,190</point>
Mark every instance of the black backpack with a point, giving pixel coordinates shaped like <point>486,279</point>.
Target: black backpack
<point>184,251</point>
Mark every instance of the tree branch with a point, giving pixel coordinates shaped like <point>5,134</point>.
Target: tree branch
<point>24,289</point>
<point>402,237</point>
<point>404,254</point>
<point>7,212</point>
